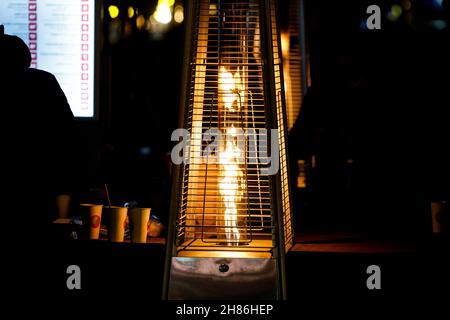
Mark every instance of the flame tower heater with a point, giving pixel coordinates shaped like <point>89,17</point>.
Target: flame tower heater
<point>231,220</point>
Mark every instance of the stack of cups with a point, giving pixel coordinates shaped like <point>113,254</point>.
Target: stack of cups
<point>117,219</point>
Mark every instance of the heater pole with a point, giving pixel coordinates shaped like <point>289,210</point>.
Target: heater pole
<point>176,173</point>
<point>271,107</point>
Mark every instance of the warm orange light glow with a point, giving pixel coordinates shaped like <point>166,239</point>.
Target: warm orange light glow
<point>200,249</point>
<point>178,14</point>
<point>231,181</point>
<point>212,9</point>
<point>285,44</point>
<point>285,48</point>
<point>140,21</point>
<point>224,254</point>
<point>229,88</point>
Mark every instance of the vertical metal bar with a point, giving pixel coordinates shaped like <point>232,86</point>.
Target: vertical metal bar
<point>195,164</point>
<point>269,103</point>
<point>271,107</point>
<point>176,173</point>
<point>284,128</point>
<point>206,171</point>
<point>256,136</point>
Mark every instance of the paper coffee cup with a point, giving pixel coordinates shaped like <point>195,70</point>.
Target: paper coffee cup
<point>117,221</point>
<point>63,205</point>
<point>139,218</point>
<point>91,216</point>
<point>439,216</point>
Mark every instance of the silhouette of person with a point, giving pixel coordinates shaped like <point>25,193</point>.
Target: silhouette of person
<point>38,139</point>
<point>41,124</point>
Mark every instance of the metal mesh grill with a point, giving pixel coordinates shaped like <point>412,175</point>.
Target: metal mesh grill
<point>226,200</point>
<point>285,193</point>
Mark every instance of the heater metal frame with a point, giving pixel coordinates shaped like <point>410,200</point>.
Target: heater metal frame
<point>274,266</point>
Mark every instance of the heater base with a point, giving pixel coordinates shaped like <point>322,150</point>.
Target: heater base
<point>223,278</point>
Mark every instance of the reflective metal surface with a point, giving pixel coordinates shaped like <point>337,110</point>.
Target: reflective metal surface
<point>222,278</point>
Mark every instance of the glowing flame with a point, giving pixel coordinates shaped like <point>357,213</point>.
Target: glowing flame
<point>231,181</point>
<point>229,88</point>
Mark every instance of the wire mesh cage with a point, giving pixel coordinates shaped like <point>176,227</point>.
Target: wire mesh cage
<point>231,191</point>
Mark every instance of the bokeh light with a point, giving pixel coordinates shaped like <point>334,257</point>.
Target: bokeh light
<point>130,12</point>
<point>395,12</point>
<point>140,21</point>
<point>163,12</point>
<point>113,11</point>
<point>178,14</point>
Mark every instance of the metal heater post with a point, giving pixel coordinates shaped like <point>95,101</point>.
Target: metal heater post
<point>176,178</point>
<point>271,105</point>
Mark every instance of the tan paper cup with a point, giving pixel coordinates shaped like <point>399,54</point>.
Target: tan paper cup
<point>439,216</point>
<point>117,220</point>
<point>139,218</point>
<point>92,216</point>
<point>63,205</point>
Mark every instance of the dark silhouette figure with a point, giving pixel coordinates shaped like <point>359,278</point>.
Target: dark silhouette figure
<point>38,153</point>
<point>40,125</point>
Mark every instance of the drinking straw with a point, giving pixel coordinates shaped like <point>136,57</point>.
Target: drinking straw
<point>107,195</point>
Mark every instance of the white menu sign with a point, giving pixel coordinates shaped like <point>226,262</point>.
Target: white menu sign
<point>61,38</point>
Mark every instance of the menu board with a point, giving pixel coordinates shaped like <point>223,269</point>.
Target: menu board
<point>61,38</point>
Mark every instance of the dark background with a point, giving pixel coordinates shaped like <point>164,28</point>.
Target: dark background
<point>391,124</point>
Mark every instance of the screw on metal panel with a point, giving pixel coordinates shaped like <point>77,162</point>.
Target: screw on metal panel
<point>224,267</point>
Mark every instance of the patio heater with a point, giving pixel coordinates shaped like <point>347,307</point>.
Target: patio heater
<point>231,222</point>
